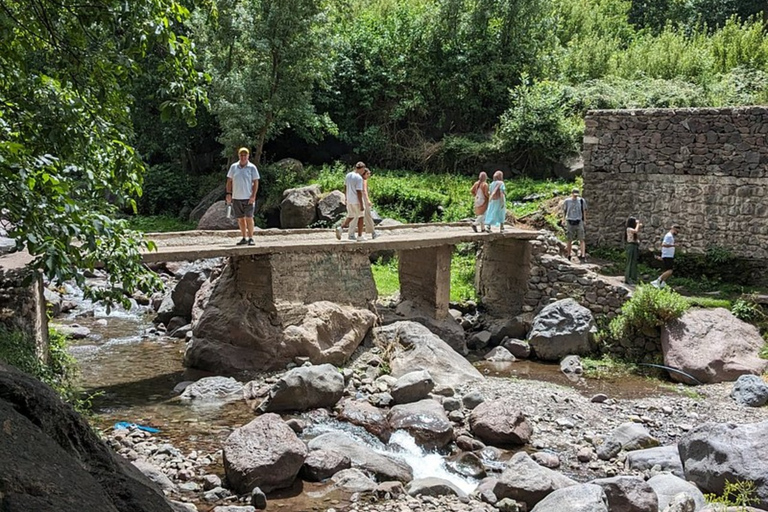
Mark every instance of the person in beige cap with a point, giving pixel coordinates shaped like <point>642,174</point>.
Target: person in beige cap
<point>242,186</point>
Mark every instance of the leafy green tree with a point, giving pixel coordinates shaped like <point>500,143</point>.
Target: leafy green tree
<point>265,58</point>
<point>66,156</point>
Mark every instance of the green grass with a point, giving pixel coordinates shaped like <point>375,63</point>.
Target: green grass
<point>606,367</point>
<point>708,302</point>
<point>159,223</point>
<point>385,275</point>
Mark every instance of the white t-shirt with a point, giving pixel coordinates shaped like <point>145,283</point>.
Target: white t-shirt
<point>668,252</point>
<point>354,182</point>
<point>242,180</point>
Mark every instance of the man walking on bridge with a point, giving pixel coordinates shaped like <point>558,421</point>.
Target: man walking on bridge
<point>242,185</point>
<point>353,185</point>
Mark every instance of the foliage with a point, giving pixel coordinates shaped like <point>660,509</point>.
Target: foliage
<point>66,160</point>
<point>166,191</point>
<point>647,310</point>
<point>748,311</point>
<point>386,276</point>
<point>159,224</point>
<point>742,493</point>
<point>607,367</point>
<point>708,302</point>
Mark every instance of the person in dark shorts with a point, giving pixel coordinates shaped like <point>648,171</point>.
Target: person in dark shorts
<point>574,217</point>
<point>668,245</point>
<point>242,186</point>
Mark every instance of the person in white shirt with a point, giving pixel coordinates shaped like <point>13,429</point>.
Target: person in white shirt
<point>242,185</point>
<point>668,245</point>
<point>353,185</point>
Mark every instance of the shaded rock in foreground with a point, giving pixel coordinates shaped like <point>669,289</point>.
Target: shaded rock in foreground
<point>577,498</point>
<point>562,328</point>
<point>363,457</point>
<point>524,480</point>
<point>304,388</point>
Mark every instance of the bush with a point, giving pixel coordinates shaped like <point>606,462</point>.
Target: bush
<point>166,191</point>
<point>647,310</point>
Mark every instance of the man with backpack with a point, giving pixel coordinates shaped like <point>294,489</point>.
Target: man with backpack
<point>668,245</point>
<point>575,215</point>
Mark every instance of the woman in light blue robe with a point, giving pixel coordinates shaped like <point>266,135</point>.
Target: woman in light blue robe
<point>496,213</point>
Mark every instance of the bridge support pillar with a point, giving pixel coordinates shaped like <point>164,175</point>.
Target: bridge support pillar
<point>425,278</point>
<point>502,274</point>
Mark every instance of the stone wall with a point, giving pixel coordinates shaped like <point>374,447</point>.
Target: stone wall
<point>705,169</point>
<point>22,307</point>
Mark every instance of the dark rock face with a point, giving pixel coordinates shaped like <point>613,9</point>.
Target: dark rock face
<point>562,328</point>
<point>500,422</point>
<point>51,460</point>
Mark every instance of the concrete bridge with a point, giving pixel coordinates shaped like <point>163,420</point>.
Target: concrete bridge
<point>311,265</point>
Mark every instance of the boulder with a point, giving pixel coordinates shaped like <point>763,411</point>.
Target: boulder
<point>667,487</point>
<point>265,453</point>
<point>412,387</point>
<point>289,166</point>
<point>750,390</point>
<point>331,207</point>
<point>215,218</point>
<point>353,480</point>
<point>514,328</point>
<point>51,459</point>
<point>298,208</point>
<point>413,347</point>
<point>714,453</point>
<point>632,436</point>
<point>524,480</point>
<point>467,464</point>
<point>433,487</point>
<point>500,422</point>
<point>712,345</point>
<point>628,494</point>
<point>184,292</point>
<point>571,367</point>
<point>362,456</point>
<point>425,420</point>
<point>303,388</point>
<point>217,194</point>
<point>224,389</point>
<point>562,328</point>
<point>155,474</point>
<point>363,414</point>
<point>521,349</point>
<point>577,498</point>
<point>322,464</point>
<point>499,355</point>
<point>666,457</point>
<point>446,329</point>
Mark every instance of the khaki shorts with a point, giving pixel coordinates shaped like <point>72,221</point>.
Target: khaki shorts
<point>574,232</point>
<point>354,211</point>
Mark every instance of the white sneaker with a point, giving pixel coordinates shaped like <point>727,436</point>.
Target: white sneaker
<point>375,235</point>
<point>361,238</point>
<point>338,232</point>
<point>655,283</point>
<point>662,285</point>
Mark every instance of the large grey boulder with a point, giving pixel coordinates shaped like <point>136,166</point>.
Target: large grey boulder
<point>500,422</point>
<point>184,292</point>
<point>363,414</point>
<point>447,329</point>
<point>714,453</point>
<point>667,487</point>
<point>628,494</point>
<point>524,480</point>
<point>750,390</point>
<point>577,498</point>
<point>562,328</point>
<point>412,387</point>
<point>353,480</point>
<point>217,194</point>
<point>712,345</point>
<point>224,389</point>
<point>215,218</point>
<point>322,464</point>
<point>433,486</point>
<point>413,347</point>
<point>303,388</point>
<point>299,207</point>
<point>425,420</point>
<point>632,436</point>
<point>265,453</point>
<point>383,467</point>
<point>52,460</point>
<point>666,457</point>
<point>332,207</point>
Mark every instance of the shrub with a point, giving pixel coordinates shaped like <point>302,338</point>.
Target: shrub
<point>737,494</point>
<point>747,310</point>
<point>166,191</point>
<point>647,310</point>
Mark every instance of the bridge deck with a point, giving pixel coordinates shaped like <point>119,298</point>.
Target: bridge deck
<point>192,245</point>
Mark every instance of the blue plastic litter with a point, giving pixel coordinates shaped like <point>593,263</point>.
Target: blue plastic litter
<point>125,424</point>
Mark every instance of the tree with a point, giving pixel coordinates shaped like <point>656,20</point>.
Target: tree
<point>265,58</point>
<point>66,156</point>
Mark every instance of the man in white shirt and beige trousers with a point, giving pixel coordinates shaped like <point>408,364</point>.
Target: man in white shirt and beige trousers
<point>353,185</point>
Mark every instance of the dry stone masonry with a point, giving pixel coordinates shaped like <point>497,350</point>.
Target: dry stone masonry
<point>705,169</point>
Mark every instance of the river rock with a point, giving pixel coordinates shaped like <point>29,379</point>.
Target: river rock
<point>363,414</point>
<point>499,355</point>
<point>412,387</point>
<point>516,327</point>
<point>577,498</point>
<point>445,329</point>
<point>668,486</point>
<point>383,467</point>
<point>425,420</point>
<point>224,389</point>
<point>628,494</point>
<point>562,328</point>
<point>353,480</point>
<point>712,345</point>
<point>184,292</point>
<point>666,457</point>
<point>53,460</point>
<point>524,480</point>
<point>750,390</point>
<point>298,208</point>
<point>468,465</point>
<point>265,453</point>
<point>413,347</point>
<point>715,452</point>
<point>500,422</point>
<point>322,464</point>
<point>331,207</point>
<point>303,388</point>
<point>632,436</point>
<point>571,367</point>
<point>215,218</point>
<point>433,487</point>
<point>521,349</point>
<point>155,474</point>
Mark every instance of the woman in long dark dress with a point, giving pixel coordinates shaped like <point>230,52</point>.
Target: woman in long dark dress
<point>633,250</point>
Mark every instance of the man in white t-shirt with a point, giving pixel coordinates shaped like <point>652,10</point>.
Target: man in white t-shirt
<point>667,256</point>
<point>242,185</point>
<point>353,191</point>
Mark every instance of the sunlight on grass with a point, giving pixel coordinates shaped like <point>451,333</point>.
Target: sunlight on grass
<point>159,223</point>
